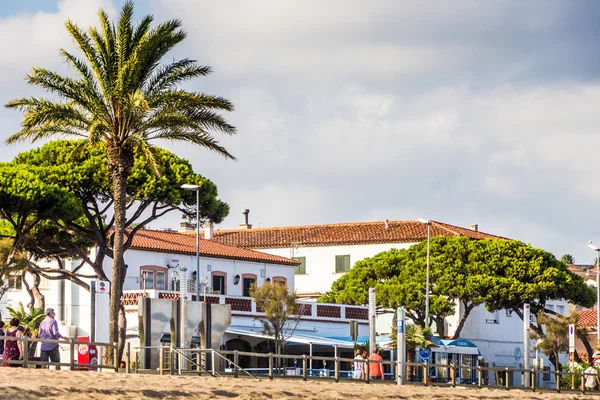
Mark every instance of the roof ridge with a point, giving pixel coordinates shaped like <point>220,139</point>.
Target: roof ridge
<point>446,227</point>
<point>316,225</point>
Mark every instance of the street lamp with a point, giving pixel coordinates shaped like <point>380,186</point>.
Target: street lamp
<point>196,188</point>
<point>597,250</point>
<point>428,223</point>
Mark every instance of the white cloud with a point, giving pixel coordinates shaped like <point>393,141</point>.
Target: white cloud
<point>462,112</point>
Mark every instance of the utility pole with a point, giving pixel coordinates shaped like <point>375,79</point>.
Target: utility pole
<point>526,313</point>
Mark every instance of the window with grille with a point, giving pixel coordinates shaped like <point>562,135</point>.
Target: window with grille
<point>147,279</point>
<point>161,281</point>
<point>300,269</point>
<point>15,282</point>
<point>342,264</point>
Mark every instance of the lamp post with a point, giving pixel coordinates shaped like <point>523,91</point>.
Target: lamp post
<point>428,223</point>
<point>196,188</point>
<point>597,250</point>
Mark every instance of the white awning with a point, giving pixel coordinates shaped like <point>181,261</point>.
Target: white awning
<point>295,338</point>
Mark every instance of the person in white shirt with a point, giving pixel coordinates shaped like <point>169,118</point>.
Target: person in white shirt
<point>358,366</point>
<point>591,378</point>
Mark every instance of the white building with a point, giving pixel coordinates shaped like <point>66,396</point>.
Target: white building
<point>327,251</point>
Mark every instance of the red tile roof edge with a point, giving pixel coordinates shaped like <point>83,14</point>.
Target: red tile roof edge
<point>178,243</point>
<point>409,231</point>
<point>587,318</point>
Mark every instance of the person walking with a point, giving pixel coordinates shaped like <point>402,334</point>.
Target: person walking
<point>375,370</point>
<point>49,330</point>
<point>359,365</point>
<point>13,349</point>
<point>591,378</point>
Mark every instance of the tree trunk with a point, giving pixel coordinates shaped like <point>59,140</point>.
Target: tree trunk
<point>410,358</point>
<point>588,347</point>
<point>39,297</point>
<point>441,327</point>
<point>461,324</point>
<point>120,162</point>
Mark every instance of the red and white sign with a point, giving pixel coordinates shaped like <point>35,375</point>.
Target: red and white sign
<point>86,354</point>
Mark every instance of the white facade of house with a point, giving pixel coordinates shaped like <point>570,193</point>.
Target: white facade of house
<point>321,262</point>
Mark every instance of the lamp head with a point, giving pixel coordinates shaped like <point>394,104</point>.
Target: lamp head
<point>187,186</point>
<point>424,221</point>
<point>591,246</point>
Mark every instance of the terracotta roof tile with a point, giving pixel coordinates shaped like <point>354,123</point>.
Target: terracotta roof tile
<point>341,234</point>
<point>587,318</point>
<point>173,242</point>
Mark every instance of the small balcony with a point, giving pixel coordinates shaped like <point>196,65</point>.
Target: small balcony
<point>245,306</point>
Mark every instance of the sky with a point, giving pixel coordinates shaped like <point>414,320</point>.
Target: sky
<point>463,112</point>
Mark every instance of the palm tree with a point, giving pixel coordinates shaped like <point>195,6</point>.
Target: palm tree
<point>30,319</point>
<point>123,98</point>
<point>416,337</point>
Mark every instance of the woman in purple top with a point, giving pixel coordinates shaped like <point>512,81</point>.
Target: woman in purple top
<point>13,350</point>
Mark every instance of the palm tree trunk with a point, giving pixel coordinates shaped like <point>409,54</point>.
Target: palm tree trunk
<point>410,358</point>
<point>120,162</point>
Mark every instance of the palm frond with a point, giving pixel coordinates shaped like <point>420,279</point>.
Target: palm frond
<point>171,75</point>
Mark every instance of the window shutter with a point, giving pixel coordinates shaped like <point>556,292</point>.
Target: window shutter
<point>342,264</point>
<point>300,269</point>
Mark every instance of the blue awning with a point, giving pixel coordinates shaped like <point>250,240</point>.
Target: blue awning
<point>456,346</point>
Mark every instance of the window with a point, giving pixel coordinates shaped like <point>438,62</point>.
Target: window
<point>493,318</point>
<point>161,280</point>
<point>147,279</point>
<point>509,313</point>
<point>342,264</point>
<point>300,269</point>
<point>279,280</point>
<point>153,277</point>
<point>15,282</point>
<point>219,281</point>
<point>560,310</point>
<point>247,281</point>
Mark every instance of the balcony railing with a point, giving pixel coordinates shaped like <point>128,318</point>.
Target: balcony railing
<point>245,306</point>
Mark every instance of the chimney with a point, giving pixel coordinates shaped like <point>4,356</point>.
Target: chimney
<point>245,225</point>
<point>186,225</point>
<point>475,227</point>
<point>208,229</point>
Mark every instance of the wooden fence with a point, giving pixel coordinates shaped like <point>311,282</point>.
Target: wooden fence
<point>169,354</point>
<point>190,361</point>
<point>72,363</point>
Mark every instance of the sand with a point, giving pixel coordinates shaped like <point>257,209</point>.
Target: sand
<point>18,383</point>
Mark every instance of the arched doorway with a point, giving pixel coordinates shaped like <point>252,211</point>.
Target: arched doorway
<point>265,347</point>
<point>239,345</point>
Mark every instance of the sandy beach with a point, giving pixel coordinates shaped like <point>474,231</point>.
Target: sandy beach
<point>34,384</point>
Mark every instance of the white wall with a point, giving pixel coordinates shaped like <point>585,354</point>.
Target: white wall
<point>138,258</point>
<point>320,262</point>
